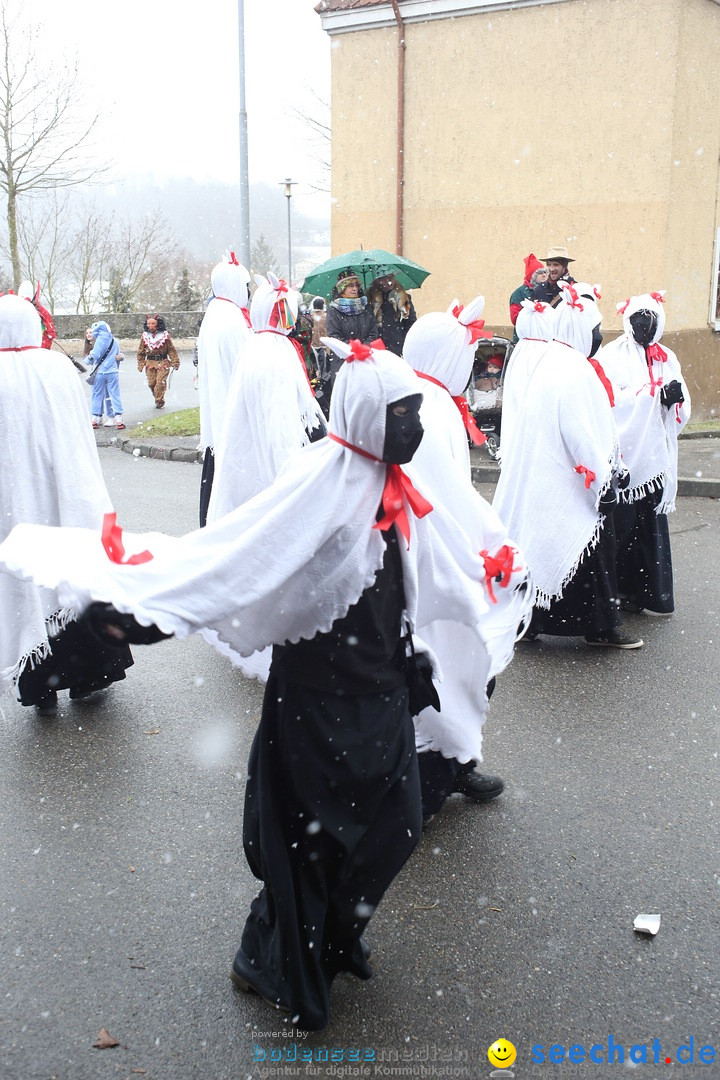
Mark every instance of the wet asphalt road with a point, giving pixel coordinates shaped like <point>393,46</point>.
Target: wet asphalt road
<point>124,889</point>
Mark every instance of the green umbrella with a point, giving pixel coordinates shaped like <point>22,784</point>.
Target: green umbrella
<point>368,265</point>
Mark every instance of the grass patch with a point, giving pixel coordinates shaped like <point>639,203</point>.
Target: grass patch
<point>183,422</point>
<point>703,425</point>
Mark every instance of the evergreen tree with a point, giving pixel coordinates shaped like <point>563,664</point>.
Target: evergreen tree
<point>117,297</point>
<point>187,295</point>
<point>262,257</point>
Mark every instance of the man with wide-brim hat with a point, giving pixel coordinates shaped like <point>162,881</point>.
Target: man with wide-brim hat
<point>556,260</point>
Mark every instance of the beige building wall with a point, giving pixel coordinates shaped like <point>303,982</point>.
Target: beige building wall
<point>593,123</point>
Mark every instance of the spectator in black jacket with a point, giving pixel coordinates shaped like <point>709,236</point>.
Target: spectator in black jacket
<point>394,311</point>
<point>349,315</point>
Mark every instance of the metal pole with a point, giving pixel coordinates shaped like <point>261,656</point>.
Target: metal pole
<point>244,245</point>
<point>288,185</point>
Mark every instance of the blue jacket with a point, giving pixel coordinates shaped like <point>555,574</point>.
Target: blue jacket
<point>103,338</point>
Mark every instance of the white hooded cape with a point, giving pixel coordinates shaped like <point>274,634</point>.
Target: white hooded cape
<point>49,474</point>
<point>648,431</point>
<point>534,327</point>
<point>286,564</point>
<point>561,423</point>
<point>270,409</point>
<point>223,333</point>
<point>440,345</point>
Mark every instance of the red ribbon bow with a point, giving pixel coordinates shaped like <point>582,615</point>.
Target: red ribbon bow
<point>656,352</point>
<point>498,566</point>
<point>658,297</point>
<point>358,351</point>
<point>475,327</point>
<point>114,547</point>
<point>398,490</point>
<point>282,287</point>
<point>622,308</point>
<point>589,475</point>
<point>233,259</point>
<point>539,306</point>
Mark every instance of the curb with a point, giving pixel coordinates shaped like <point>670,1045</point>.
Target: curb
<point>481,474</point>
<point>159,453</point>
<point>687,485</point>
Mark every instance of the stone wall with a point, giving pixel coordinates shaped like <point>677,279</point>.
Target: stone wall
<point>180,324</point>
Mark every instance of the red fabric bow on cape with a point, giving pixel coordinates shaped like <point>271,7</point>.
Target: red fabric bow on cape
<point>498,566</point>
<point>358,351</point>
<point>398,490</point>
<point>114,547</point>
<point>475,327</point>
<point>588,473</point>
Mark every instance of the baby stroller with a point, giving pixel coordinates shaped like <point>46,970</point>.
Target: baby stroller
<point>484,391</point>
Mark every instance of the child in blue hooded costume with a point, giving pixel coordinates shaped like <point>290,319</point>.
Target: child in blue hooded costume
<point>105,356</point>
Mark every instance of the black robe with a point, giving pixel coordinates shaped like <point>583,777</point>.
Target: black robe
<point>590,602</point>
<point>78,661</point>
<point>644,562</point>
<point>332,804</point>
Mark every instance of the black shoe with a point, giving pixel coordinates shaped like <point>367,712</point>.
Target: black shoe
<point>614,639</point>
<point>249,978</point>
<point>479,788</point>
<point>631,606</point>
<point>159,404</point>
<point>47,706</point>
<point>84,690</point>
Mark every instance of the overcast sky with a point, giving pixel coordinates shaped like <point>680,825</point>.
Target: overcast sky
<point>164,76</point>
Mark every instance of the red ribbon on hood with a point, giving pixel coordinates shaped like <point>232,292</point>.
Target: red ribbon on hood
<point>498,566</point>
<point>358,351</point>
<point>114,547</point>
<point>475,327</point>
<point>398,490</point>
<point>467,417</point>
<point>656,352</point>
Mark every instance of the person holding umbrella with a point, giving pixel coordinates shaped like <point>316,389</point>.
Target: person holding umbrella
<point>348,318</point>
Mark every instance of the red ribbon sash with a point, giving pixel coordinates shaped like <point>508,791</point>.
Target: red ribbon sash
<point>498,566</point>
<point>598,369</point>
<point>467,418</point>
<point>397,491</point>
<point>114,547</point>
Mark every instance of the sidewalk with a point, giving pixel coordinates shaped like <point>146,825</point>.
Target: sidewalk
<point>698,468</point>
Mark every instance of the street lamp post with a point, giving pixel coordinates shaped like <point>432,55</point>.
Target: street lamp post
<point>288,185</point>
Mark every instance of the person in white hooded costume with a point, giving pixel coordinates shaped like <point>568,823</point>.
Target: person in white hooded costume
<point>49,474</point>
<point>440,347</point>
<point>332,806</point>
<point>560,470</point>
<point>271,411</point>
<point>652,406</point>
<point>224,331</point>
<point>534,326</point>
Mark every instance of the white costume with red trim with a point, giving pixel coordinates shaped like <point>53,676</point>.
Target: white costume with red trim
<point>50,473</point>
<point>441,348</point>
<point>561,455</point>
<point>534,327</point>
<point>224,331</point>
<point>285,564</point>
<point>648,431</point>
<point>270,411</point>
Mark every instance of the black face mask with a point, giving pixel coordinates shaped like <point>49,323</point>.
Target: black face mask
<point>644,325</point>
<point>403,430</point>
<point>596,339</point>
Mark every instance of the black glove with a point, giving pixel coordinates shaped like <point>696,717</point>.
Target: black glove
<point>112,627</point>
<point>672,394</point>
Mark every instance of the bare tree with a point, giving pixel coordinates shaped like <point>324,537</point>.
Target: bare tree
<point>144,258</point>
<point>87,262</point>
<point>45,243</point>
<point>41,126</point>
<point>320,138</point>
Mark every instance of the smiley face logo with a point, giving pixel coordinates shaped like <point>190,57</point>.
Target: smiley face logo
<point>502,1054</point>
